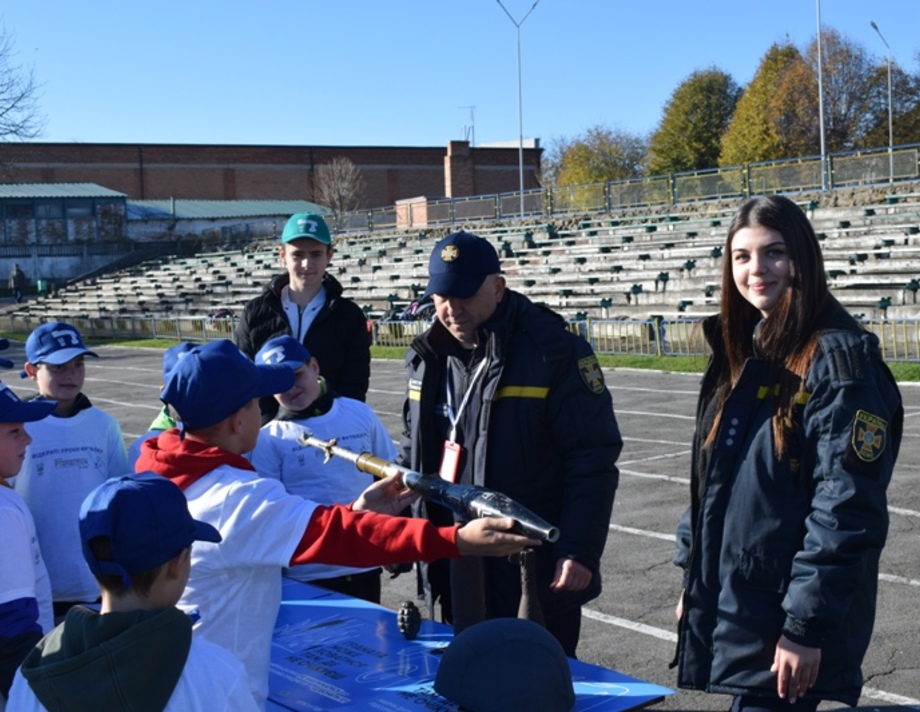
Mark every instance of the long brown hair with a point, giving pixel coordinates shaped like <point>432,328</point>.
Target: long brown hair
<point>789,337</point>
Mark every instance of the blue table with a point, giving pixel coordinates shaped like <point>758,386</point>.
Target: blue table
<point>333,652</point>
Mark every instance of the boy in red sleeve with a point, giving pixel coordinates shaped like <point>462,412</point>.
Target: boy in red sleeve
<point>236,585</point>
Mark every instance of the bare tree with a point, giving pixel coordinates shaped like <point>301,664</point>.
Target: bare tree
<point>339,185</point>
<point>20,118</point>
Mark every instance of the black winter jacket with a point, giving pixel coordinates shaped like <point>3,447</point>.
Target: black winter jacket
<point>789,547</point>
<point>546,436</point>
<point>338,337</point>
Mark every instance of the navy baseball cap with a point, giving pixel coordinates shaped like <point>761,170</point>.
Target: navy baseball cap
<point>459,264</point>
<point>506,664</point>
<point>283,350</point>
<point>56,343</point>
<point>146,518</point>
<point>213,381</point>
<point>308,225</point>
<point>15,410</point>
<point>173,354</point>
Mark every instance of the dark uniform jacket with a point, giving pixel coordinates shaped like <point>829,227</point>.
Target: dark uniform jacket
<point>338,336</point>
<point>789,547</point>
<point>545,434</point>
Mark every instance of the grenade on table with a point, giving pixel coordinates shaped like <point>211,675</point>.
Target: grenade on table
<point>409,620</point>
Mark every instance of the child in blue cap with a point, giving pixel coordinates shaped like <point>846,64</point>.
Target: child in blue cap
<point>25,592</point>
<point>138,651</point>
<point>310,407</point>
<point>236,586</point>
<point>76,448</point>
<point>164,419</point>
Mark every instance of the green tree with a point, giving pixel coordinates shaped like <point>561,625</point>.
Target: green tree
<point>601,154</point>
<point>695,117</point>
<point>752,134</point>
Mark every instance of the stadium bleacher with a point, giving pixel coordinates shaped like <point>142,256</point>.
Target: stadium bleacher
<point>601,266</point>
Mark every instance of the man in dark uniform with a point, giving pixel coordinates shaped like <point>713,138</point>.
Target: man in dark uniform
<point>501,394</point>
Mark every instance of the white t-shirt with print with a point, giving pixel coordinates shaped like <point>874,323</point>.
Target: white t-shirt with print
<point>67,459</point>
<point>300,468</point>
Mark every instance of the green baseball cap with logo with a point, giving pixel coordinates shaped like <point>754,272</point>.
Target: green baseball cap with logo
<point>306,225</point>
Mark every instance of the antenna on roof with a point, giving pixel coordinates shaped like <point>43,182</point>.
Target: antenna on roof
<point>469,132</point>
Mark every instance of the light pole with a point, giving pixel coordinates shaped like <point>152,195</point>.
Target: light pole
<point>517,25</point>
<point>821,98</point>
<point>890,115</point>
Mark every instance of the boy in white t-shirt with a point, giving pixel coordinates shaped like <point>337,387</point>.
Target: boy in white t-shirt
<point>25,593</point>
<point>236,585</point>
<point>310,407</point>
<point>137,652</point>
<point>73,450</point>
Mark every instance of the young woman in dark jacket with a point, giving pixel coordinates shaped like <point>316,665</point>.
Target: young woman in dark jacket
<point>798,428</point>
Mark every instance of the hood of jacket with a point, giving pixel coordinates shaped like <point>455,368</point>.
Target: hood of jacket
<point>127,661</point>
<point>183,460</point>
<point>163,421</point>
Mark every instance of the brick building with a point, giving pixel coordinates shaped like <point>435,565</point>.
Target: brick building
<point>203,172</point>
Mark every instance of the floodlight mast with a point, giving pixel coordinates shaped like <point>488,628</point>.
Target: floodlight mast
<point>517,24</point>
<point>821,99</point>
<point>890,112</point>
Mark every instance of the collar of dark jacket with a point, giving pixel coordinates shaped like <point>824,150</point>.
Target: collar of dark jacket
<point>332,286</point>
<point>320,406</point>
<point>81,403</point>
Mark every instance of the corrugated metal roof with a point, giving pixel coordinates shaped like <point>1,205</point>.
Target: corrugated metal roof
<point>215,209</point>
<point>57,190</point>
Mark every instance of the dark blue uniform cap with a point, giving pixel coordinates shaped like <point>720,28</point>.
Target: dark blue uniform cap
<point>506,664</point>
<point>459,265</point>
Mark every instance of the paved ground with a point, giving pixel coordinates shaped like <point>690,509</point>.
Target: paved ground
<point>631,626</point>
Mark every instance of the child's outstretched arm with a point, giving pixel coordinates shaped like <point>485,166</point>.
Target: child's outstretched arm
<point>338,535</point>
<point>386,496</point>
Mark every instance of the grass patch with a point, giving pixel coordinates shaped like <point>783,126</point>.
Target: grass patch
<point>395,353</point>
<point>904,371</point>
<point>671,364</point>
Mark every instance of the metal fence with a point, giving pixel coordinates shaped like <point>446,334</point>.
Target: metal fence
<point>899,338</point>
<point>836,170</point>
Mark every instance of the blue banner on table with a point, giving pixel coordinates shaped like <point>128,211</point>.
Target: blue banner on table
<point>333,652</point>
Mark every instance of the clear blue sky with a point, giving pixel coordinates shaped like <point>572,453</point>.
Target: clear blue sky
<point>403,72</point>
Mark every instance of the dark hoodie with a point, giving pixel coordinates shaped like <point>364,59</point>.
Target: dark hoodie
<point>127,661</point>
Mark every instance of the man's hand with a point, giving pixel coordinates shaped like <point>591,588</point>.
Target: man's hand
<point>491,536</point>
<point>386,496</point>
<point>570,576</point>
<point>796,667</point>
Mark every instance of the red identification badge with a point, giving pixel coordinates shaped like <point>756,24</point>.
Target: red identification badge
<point>450,461</point>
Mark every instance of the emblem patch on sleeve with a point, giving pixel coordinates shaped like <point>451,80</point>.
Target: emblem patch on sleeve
<point>590,371</point>
<point>869,434</point>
